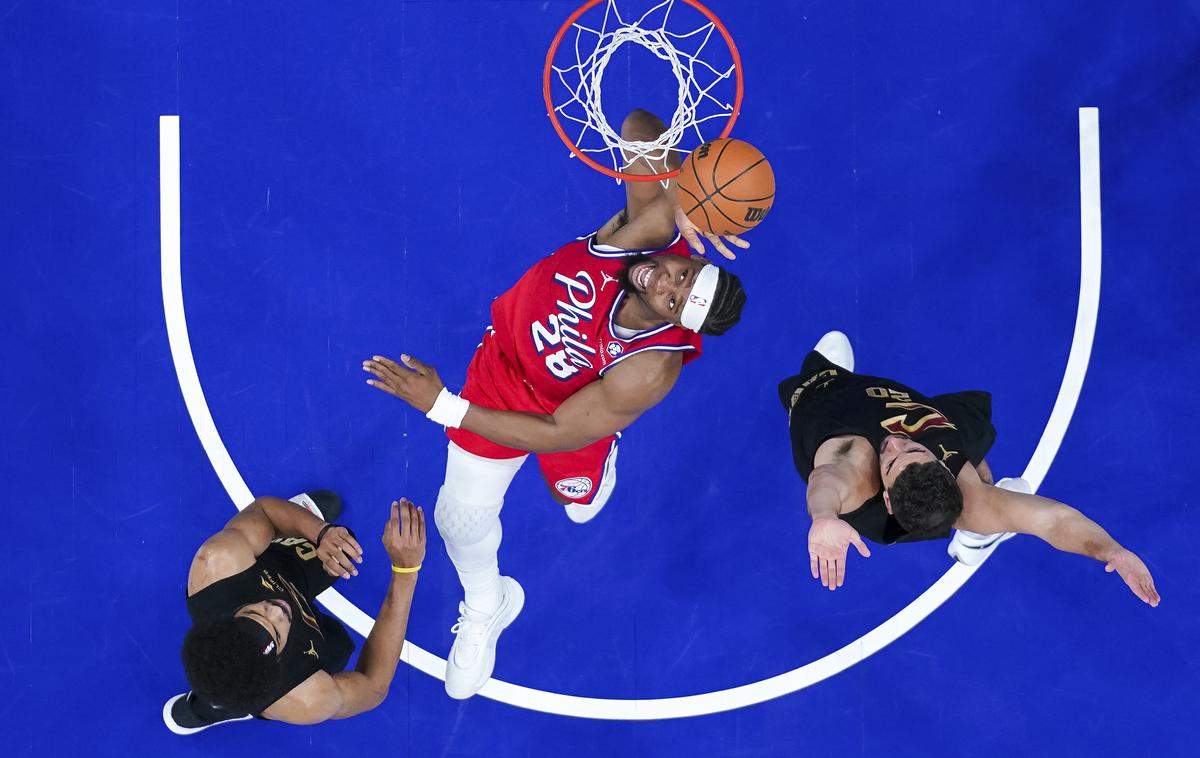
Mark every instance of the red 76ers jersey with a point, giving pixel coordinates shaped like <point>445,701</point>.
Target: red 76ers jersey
<point>557,323</point>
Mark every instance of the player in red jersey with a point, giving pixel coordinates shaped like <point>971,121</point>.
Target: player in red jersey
<point>586,341</point>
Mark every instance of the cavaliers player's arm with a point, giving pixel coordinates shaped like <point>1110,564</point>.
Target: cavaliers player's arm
<point>839,482</point>
<point>600,409</point>
<point>235,548</point>
<point>348,693</point>
<point>989,509</point>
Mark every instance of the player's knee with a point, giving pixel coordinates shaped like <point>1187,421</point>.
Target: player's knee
<point>461,521</point>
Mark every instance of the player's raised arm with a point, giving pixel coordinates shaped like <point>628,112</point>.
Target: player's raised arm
<point>997,510</point>
<point>650,216</point>
<point>349,693</point>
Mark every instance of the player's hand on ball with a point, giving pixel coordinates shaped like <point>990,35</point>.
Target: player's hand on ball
<point>828,541</point>
<point>404,535</point>
<point>413,382</point>
<point>338,552</point>
<point>693,233</point>
<point>1136,575</point>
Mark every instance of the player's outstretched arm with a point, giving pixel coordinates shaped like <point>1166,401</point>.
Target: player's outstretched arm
<point>349,693</point>
<point>996,510</point>
<point>598,410</point>
<point>830,486</point>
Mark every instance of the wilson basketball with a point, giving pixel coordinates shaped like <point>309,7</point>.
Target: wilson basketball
<point>725,186</point>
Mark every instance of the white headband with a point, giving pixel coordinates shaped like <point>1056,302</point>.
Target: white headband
<point>696,308</point>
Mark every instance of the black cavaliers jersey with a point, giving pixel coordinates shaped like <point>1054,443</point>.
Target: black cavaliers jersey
<point>827,401</point>
<point>287,570</point>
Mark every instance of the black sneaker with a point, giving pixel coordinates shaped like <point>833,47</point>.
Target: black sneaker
<point>324,504</point>
<point>183,714</point>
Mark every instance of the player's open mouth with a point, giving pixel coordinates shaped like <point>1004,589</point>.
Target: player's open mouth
<point>640,275</point>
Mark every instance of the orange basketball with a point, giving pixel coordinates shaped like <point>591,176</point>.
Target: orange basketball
<point>725,186</point>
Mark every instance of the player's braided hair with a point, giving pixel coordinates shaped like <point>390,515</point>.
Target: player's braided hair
<point>727,304</point>
<point>926,499</point>
<point>225,666</point>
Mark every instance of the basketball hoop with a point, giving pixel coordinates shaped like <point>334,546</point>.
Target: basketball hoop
<point>595,45</point>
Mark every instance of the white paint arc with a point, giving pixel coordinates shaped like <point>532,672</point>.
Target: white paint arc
<point>661,708</point>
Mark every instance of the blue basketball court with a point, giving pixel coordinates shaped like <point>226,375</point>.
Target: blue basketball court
<point>990,195</point>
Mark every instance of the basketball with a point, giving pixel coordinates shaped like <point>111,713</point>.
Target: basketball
<point>725,186</point>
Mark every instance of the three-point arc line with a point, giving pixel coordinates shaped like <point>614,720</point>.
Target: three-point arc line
<point>676,707</point>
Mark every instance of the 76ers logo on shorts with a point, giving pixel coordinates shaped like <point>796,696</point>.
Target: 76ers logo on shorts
<point>574,487</point>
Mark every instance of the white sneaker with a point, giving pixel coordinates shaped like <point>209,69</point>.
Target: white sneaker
<point>473,656</point>
<point>836,348</point>
<point>972,548</point>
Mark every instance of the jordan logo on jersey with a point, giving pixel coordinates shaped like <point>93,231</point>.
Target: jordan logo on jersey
<point>561,329</point>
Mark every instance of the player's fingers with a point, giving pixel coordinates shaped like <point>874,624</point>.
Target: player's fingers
<point>693,240</point>
<point>841,572</point>
<point>332,568</point>
<point>835,571</point>
<point>1110,567</point>
<point>351,547</point>
<point>743,244</point>
<point>381,386</point>
<point>393,522</point>
<point>343,562</point>
<point>405,517</point>
<point>826,572</point>
<point>719,244</point>
<point>860,546</point>
<point>414,364</point>
<point>812,565</point>
<point>421,524</point>
<point>377,368</point>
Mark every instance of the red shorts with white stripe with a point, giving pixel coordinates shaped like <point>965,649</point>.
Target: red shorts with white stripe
<point>585,476</point>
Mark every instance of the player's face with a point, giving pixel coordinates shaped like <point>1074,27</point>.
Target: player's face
<point>898,453</point>
<point>664,282</point>
<point>273,615</point>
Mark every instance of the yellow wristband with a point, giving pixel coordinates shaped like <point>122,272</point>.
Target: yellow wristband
<point>412,570</point>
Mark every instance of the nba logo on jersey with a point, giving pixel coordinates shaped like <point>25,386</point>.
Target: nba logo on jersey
<point>614,349</point>
<point>574,487</point>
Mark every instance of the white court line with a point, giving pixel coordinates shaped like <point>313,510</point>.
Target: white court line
<point>693,705</point>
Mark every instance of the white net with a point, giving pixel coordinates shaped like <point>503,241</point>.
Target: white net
<point>582,108</point>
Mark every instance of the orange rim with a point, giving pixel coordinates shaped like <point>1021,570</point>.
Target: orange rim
<point>562,134</point>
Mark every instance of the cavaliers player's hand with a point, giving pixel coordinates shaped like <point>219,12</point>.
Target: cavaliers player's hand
<point>828,541</point>
<point>1135,574</point>
<point>415,383</point>
<point>404,535</point>
<point>338,551</point>
<point>692,234</point>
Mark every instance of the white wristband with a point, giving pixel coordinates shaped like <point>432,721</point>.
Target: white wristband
<point>448,410</point>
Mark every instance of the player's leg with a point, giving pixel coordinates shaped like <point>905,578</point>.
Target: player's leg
<point>648,218</point>
<point>467,515</point>
<point>582,480</point>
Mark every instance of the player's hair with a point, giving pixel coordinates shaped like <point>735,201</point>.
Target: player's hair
<point>926,499</point>
<point>224,665</point>
<point>727,304</point>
